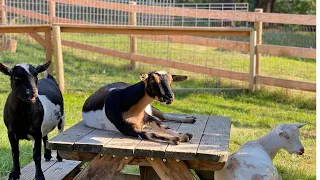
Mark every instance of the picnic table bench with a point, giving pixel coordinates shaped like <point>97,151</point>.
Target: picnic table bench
<point>109,152</point>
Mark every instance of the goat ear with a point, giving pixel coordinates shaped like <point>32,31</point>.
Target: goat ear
<point>5,70</point>
<point>143,76</point>
<point>43,67</point>
<point>301,125</point>
<point>178,78</point>
<point>280,132</point>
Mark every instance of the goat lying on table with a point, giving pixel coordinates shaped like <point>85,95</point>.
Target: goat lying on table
<point>254,159</point>
<point>126,108</point>
<point>33,109</point>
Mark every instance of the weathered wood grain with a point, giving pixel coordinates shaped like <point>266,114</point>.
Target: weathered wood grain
<point>77,155</point>
<point>171,169</point>
<point>148,173</point>
<point>121,145</point>
<point>193,164</point>
<point>286,83</point>
<point>94,141</point>
<point>61,170</point>
<point>66,139</point>
<point>28,172</point>
<point>188,150</point>
<point>105,167</point>
<point>215,140</point>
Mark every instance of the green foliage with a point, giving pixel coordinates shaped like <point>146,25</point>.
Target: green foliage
<point>295,6</point>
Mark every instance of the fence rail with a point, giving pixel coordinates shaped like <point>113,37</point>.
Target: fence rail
<point>183,35</point>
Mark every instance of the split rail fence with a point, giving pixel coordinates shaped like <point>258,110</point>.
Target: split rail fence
<point>184,35</point>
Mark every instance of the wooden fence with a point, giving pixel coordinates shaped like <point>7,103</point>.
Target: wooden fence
<point>185,35</point>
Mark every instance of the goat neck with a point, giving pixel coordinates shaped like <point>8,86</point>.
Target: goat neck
<point>271,143</point>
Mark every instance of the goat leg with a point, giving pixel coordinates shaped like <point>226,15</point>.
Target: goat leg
<point>157,137</point>
<point>157,125</point>
<point>15,172</point>
<point>37,158</point>
<point>168,117</point>
<point>47,152</point>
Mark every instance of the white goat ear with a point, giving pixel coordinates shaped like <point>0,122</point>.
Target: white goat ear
<point>143,76</point>
<point>301,125</point>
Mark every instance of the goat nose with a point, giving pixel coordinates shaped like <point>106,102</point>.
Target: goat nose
<point>302,150</point>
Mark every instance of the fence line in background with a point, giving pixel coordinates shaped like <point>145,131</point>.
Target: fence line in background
<point>177,35</point>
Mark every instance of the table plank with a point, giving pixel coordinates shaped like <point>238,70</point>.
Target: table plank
<point>61,169</point>
<point>66,139</point>
<point>121,145</point>
<point>28,172</point>
<point>215,141</point>
<point>94,141</point>
<point>149,148</point>
<point>187,151</point>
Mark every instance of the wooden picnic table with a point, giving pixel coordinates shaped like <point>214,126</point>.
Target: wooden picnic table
<point>109,152</point>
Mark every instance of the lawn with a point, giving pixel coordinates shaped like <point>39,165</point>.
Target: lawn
<point>253,114</point>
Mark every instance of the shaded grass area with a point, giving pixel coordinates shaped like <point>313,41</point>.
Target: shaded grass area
<point>253,115</point>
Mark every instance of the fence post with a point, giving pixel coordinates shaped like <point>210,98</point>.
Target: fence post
<point>52,11</point>
<point>258,29</point>
<point>133,40</point>
<point>252,73</point>
<point>58,56</point>
<point>48,43</point>
<point>3,13</point>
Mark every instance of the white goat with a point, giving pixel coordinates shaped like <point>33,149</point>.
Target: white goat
<point>253,161</point>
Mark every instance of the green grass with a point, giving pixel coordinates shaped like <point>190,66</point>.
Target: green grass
<point>253,114</point>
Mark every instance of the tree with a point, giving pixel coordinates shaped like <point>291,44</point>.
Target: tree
<point>266,5</point>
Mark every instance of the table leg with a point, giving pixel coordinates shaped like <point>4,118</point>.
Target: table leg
<point>171,169</point>
<point>205,175</point>
<point>148,173</point>
<point>103,167</point>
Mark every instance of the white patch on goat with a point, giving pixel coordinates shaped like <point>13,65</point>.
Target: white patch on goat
<point>52,115</point>
<point>162,72</point>
<point>111,89</point>
<point>148,110</point>
<point>98,119</point>
<point>25,67</point>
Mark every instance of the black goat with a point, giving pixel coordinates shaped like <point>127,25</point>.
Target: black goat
<point>125,108</point>
<point>32,110</point>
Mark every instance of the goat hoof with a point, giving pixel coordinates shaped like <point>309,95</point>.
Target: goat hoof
<point>190,119</point>
<point>189,136</point>
<point>14,175</point>
<point>59,159</point>
<point>40,177</point>
<point>185,137</point>
<point>47,157</point>
<point>175,140</point>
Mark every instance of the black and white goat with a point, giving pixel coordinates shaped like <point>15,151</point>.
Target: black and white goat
<point>126,108</point>
<point>33,109</point>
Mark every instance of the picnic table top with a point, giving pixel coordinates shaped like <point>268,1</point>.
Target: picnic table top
<point>210,141</point>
